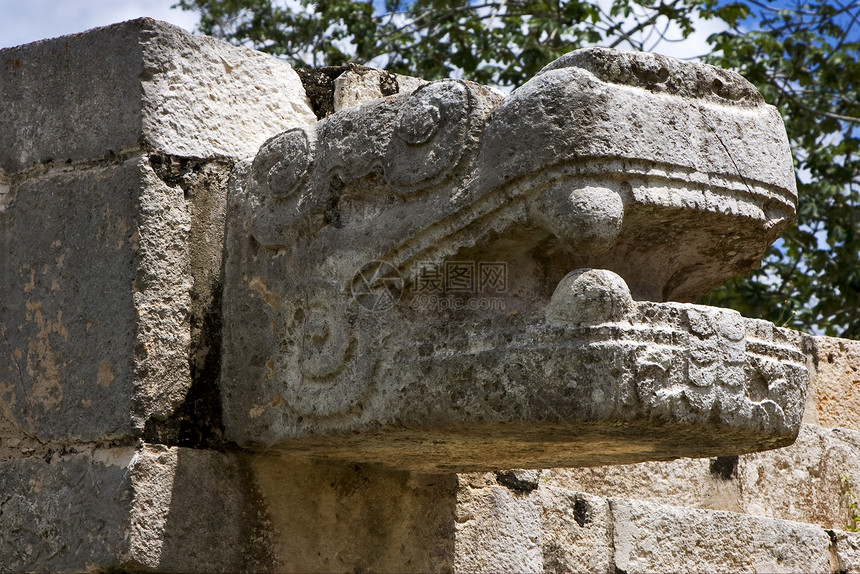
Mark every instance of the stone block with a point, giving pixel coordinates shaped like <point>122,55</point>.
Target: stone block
<point>96,302</point>
<point>359,84</point>
<point>497,530</point>
<point>683,482</point>
<point>576,532</point>
<point>847,551</point>
<point>658,538</point>
<point>834,392</point>
<point>110,274</point>
<point>328,517</point>
<point>142,83</point>
<point>807,482</point>
<point>124,508</point>
<point>111,234</point>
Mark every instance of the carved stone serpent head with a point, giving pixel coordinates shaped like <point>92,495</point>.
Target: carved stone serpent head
<point>400,281</point>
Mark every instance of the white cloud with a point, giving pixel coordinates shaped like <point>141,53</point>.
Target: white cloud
<point>696,44</point>
<point>26,21</point>
<point>672,44</point>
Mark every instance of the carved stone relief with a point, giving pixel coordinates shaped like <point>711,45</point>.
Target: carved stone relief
<point>400,286</point>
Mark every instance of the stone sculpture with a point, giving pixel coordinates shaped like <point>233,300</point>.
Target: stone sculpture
<point>451,279</point>
<point>423,287</point>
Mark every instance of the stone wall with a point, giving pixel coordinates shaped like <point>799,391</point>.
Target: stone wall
<point>784,510</point>
<point>124,447</point>
<point>117,145</point>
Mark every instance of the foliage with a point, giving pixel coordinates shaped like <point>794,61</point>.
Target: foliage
<point>802,56</point>
<point>853,524</point>
<point>805,59</point>
<point>502,42</point>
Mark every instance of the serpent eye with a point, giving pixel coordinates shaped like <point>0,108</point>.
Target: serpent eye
<point>279,170</point>
<point>430,136</point>
<point>419,123</point>
<point>283,162</point>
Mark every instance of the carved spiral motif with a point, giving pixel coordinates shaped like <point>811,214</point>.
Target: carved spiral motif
<point>429,135</point>
<point>418,124</point>
<point>279,170</point>
<point>321,365</point>
<point>283,162</point>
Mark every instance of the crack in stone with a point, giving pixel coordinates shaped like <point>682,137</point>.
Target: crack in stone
<point>12,356</point>
<point>23,387</point>
<point>722,143</point>
<point>610,531</point>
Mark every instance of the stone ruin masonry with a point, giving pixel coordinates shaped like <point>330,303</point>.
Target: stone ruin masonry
<point>242,329</point>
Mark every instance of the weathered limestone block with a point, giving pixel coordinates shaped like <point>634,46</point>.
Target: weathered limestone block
<point>331,89</point>
<point>5,188</point>
<point>847,551</point>
<point>834,391</point>
<point>576,532</point>
<point>96,302</point>
<point>808,481</point>
<point>690,482</point>
<point>124,508</point>
<point>567,531</point>
<point>141,83</point>
<point>111,238</point>
<point>359,84</point>
<point>497,530</point>
<point>397,283</point>
<point>657,538</point>
<point>355,518</point>
<point>364,517</point>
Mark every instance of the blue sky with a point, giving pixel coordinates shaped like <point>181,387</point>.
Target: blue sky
<point>26,21</point>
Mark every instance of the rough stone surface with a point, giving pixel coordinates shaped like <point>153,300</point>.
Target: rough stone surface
<point>739,165</point>
<point>5,196</point>
<point>110,312</point>
<point>354,518</point>
<point>143,82</point>
<point>359,84</point>
<point>359,321</point>
<point>40,533</point>
<point>561,530</point>
<point>203,184</point>
<point>847,551</point>
<point>94,319</point>
<point>661,383</point>
<point>657,538</point>
<point>576,532</point>
<point>834,391</point>
<point>805,482</point>
<point>589,296</point>
<point>683,482</point>
<point>167,509</point>
<point>498,530</point>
